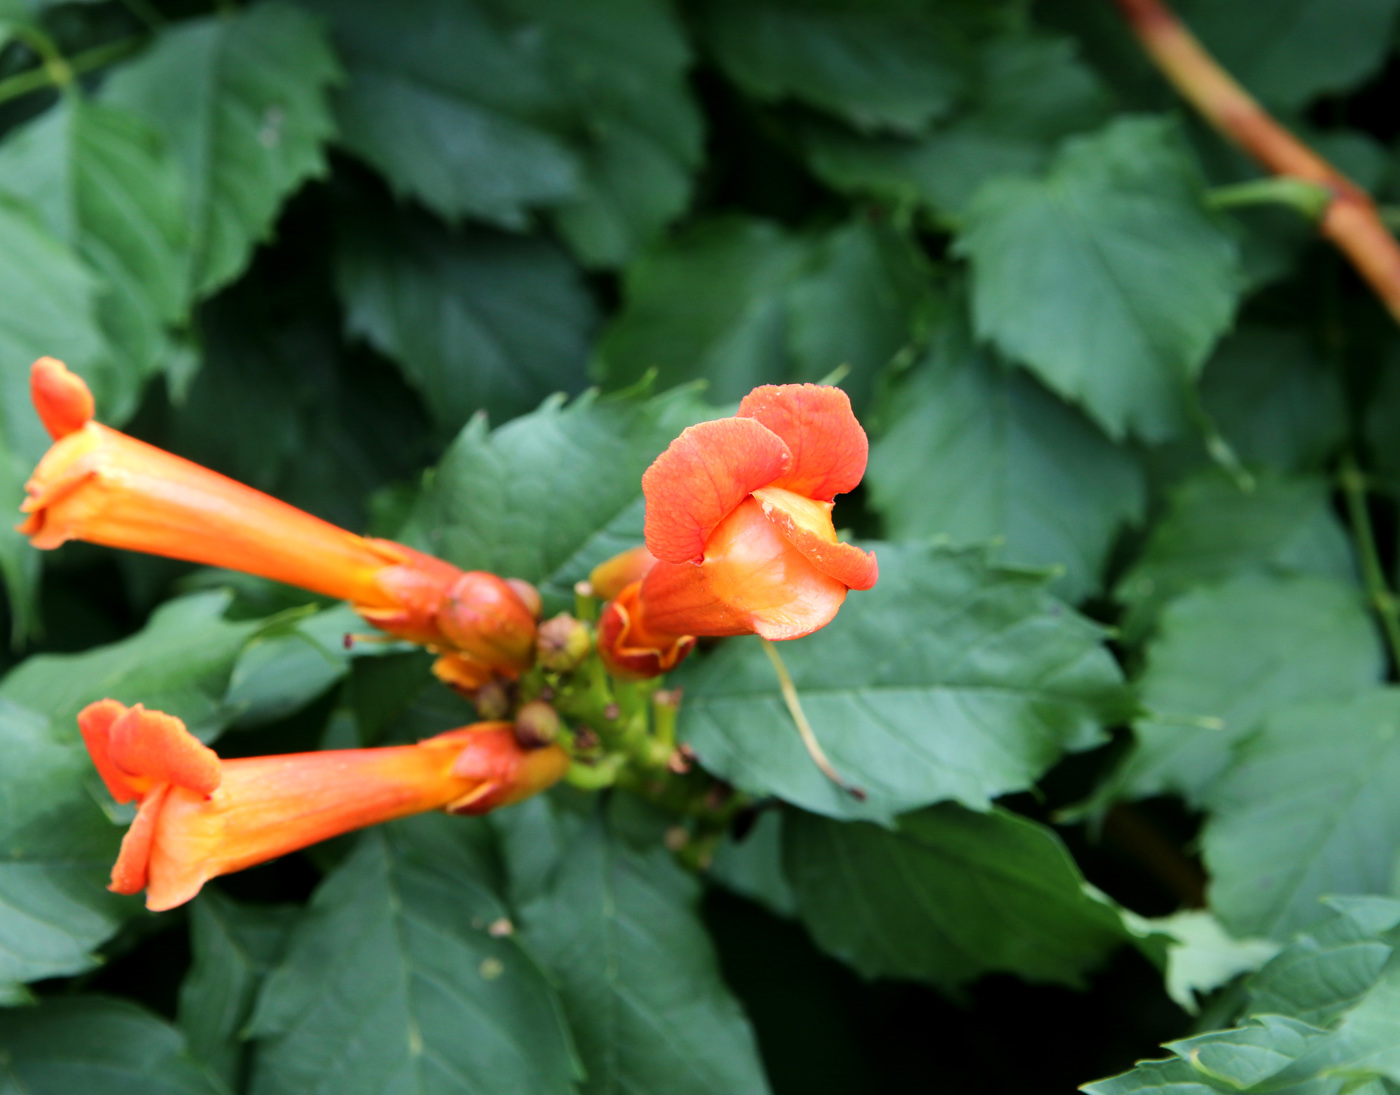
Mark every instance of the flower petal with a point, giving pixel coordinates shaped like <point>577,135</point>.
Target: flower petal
<point>132,868</point>
<point>829,448</point>
<point>152,747</point>
<point>810,532</point>
<point>95,724</point>
<point>610,577</point>
<point>699,480</point>
<point>63,400</point>
<point>752,581</point>
<point>628,649</point>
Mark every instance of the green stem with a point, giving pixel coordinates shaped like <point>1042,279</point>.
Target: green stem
<point>1372,571</point>
<point>804,728</point>
<point>1309,198</point>
<point>57,74</point>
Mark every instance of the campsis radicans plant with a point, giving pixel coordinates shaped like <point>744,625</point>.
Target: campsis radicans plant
<point>739,540</point>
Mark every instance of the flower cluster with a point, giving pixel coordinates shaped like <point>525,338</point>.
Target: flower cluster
<point>739,540</point>
<point>739,537</point>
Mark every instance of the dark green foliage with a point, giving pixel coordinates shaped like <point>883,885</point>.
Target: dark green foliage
<point>1133,489</point>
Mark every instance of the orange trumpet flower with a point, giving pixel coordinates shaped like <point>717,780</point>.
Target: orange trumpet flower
<point>201,817</point>
<point>739,522</point>
<point>101,486</point>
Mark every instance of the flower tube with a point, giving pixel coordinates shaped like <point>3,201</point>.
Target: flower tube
<point>739,522</point>
<point>101,486</point>
<point>200,817</point>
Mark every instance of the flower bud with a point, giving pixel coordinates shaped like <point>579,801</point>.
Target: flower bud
<point>536,725</point>
<point>610,578</point>
<point>466,675</point>
<point>629,648</point>
<point>492,700</point>
<point>528,594</point>
<point>563,643</point>
<point>485,619</point>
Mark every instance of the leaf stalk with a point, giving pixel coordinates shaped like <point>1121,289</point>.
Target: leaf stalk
<point>804,728</point>
<point>62,72</point>
<point>1378,591</point>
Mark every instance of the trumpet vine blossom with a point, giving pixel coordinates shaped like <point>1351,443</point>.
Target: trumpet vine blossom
<point>99,485</point>
<point>200,816</point>
<point>739,530</point>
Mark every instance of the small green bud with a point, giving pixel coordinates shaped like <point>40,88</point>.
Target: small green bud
<point>492,701</point>
<point>562,643</point>
<point>536,725</point>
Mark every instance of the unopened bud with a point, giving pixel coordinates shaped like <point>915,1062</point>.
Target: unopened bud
<point>611,577</point>
<point>485,618</point>
<point>462,674</point>
<point>536,725</point>
<point>528,594</point>
<point>492,701</point>
<point>629,649</point>
<point>562,644</point>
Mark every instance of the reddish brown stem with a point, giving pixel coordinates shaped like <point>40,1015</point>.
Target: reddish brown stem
<point>1350,220</point>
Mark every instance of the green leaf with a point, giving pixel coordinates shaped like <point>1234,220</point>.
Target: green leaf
<point>448,100</point>
<point>1174,1077</point>
<point>491,110</point>
<point>712,303</point>
<point>881,64</point>
<point>92,1043</point>
<point>284,668</point>
<point>1331,977</point>
<point>1226,656</point>
<point>751,864</point>
<point>331,426</point>
<point>235,947</point>
<point>863,304</point>
<point>1320,976</point>
<point>619,932</point>
<point>392,982</point>
<point>620,66</point>
<point>48,305</point>
<point>951,679</point>
<point>179,663</point>
<point>1107,277</point>
<point>740,302</point>
<point>947,896</point>
<point>103,182</point>
<point>242,101</point>
<point>1307,809</point>
<point>1290,51</point>
<point>1003,131</point>
<point>1274,399</point>
<point>59,848</point>
<point>552,494</point>
<point>1201,955</point>
<point>980,453</point>
<point>1213,530</point>
<point>478,320</point>
<point>1251,1054</point>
